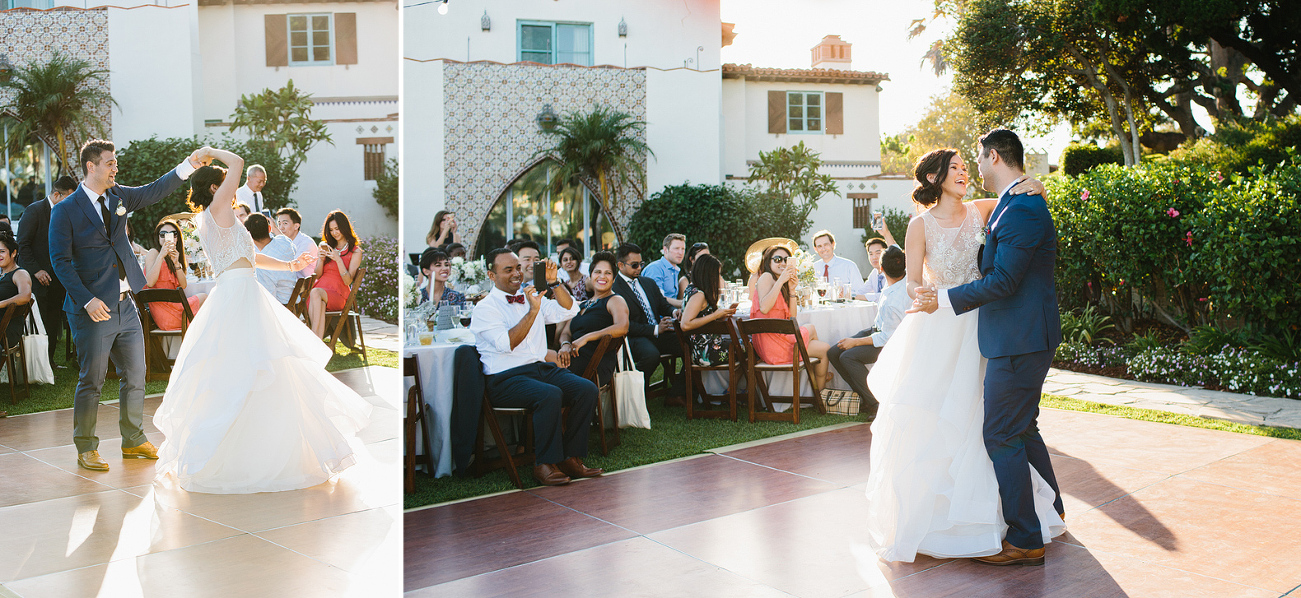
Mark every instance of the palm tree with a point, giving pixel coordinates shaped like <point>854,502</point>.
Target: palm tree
<point>604,144</point>
<point>57,100</point>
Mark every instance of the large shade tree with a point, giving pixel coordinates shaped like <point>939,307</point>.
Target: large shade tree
<point>603,145</point>
<point>58,100</point>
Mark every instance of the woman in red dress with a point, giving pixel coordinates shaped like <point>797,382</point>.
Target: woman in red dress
<point>772,296</point>
<point>338,263</point>
<point>165,269</point>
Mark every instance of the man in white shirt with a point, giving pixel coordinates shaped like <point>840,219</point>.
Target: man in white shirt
<point>851,356</point>
<point>251,193</point>
<point>280,283</point>
<point>832,266</point>
<point>509,331</point>
<point>242,210</point>
<point>871,288</point>
<point>289,223</point>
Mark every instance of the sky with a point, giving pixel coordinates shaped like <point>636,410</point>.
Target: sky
<point>780,34</point>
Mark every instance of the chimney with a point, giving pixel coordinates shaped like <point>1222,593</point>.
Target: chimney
<point>831,53</point>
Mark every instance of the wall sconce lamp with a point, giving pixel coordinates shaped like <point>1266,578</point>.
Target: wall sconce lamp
<point>623,27</point>
<point>485,22</point>
<point>547,118</point>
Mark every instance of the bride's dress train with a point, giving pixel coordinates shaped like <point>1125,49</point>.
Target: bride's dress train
<point>250,406</point>
<point>932,489</point>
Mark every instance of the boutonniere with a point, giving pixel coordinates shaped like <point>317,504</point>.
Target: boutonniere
<point>121,210</point>
<point>984,232</point>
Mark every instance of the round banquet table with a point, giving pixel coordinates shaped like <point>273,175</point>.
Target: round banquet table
<point>436,377</point>
<point>833,322</point>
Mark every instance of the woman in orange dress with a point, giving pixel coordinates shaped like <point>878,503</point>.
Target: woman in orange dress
<point>338,263</point>
<point>165,269</point>
<point>772,296</point>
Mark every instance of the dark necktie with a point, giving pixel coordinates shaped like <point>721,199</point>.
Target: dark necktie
<point>645,304</point>
<point>826,271</point>
<point>515,299</point>
<point>257,202</point>
<point>103,211</point>
<point>880,280</point>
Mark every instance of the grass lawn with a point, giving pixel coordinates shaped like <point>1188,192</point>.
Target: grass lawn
<point>46,397</point>
<point>1166,417</point>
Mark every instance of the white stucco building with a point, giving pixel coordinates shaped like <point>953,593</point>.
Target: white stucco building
<point>178,69</point>
<point>477,78</point>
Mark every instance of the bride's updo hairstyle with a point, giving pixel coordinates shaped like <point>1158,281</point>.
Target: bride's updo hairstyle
<point>926,192</point>
<point>201,183</point>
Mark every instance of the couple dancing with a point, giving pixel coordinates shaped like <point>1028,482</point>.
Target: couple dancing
<point>249,407</point>
<point>958,467</point>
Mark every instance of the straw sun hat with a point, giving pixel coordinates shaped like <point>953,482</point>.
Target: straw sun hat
<point>755,252</point>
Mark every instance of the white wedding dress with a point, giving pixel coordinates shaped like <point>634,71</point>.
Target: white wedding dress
<point>250,407</point>
<point>932,489</point>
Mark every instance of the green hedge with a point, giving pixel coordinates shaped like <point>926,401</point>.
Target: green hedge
<point>145,160</point>
<point>729,219</point>
<point>1078,159</point>
<point>1235,148</point>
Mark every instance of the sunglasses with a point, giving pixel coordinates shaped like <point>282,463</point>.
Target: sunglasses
<point>166,233</point>
<point>699,246</point>
<point>778,259</point>
<point>634,265</point>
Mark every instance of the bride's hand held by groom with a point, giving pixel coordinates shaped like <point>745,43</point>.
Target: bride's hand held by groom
<point>927,301</point>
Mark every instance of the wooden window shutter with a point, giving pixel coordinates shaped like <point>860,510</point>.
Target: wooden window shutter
<point>776,112</point>
<point>835,113</point>
<point>277,40</point>
<point>345,38</point>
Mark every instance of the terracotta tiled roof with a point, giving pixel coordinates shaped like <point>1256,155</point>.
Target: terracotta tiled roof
<point>736,71</point>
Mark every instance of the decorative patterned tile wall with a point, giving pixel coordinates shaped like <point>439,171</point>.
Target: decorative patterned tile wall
<point>491,131</point>
<point>34,35</point>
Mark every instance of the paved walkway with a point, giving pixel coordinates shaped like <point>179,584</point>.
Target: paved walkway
<point>381,335</point>
<point>1213,404</point>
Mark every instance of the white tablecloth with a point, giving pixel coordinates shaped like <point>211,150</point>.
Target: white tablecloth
<point>435,362</point>
<point>195,286</point>
<point>832,322</point>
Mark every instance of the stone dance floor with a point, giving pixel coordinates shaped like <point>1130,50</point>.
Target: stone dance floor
<point>66,531</point>
<point>1153,510</point>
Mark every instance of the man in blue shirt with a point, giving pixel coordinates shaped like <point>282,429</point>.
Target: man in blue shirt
<point>665,271</point>
<point>852,355</point>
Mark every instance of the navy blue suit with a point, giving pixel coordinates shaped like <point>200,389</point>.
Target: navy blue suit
<point>1019,330</point>
<point>86,259</point>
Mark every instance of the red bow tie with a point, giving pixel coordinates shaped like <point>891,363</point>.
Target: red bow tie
<point>515,299</point>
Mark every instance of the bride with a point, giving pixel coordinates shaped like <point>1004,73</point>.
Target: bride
<point>932,488</point>
<point>250,407</point>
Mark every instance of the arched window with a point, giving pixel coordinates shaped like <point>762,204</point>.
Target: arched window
<point>530,209</point>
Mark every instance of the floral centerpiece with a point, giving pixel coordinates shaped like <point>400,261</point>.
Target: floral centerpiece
<point>194,254</point>
<point>802,261</point>
<point>410,294</point>
<point>469,276</point>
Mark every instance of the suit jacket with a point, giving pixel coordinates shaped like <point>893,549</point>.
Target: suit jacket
<point>637,325</point>
<point>85,256</point>
<point>34,241</point>
<point>1017,291</point>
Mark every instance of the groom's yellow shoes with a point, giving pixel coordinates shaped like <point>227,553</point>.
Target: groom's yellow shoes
<point>91,460</point>
<point>144,451</point>
<point>1012,555</point>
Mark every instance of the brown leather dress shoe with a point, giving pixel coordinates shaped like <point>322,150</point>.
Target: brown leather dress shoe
<point>144,451</point>
<point>548,475</point>
<point>574,468</point>
<point>92,461</point>
<point>1012,555</point>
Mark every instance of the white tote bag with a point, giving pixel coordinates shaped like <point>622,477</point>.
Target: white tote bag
<point>630,391</point>
<point>36,348</point>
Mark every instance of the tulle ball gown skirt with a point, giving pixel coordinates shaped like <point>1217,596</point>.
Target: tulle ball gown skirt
<point>250,407</point>
<point>932,489</point>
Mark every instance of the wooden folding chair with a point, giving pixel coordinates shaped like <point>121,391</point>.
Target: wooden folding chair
<point>158,366</point>
<point>593,373</point>
<point>347,317</point>
<point>415,417</point>
<point>509,457</point>
<point>15,358</point>
<point>756,368</point>
<point>298,298</point>
<point>695,373</point>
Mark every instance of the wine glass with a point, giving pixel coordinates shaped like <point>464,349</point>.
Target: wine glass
<point>466,315</point>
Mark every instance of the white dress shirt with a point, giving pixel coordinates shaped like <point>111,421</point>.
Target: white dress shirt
<point>491,324</point>
<point>253,198</point>
<point>844,269</point>
<point>890,311</point>
<point>943,295</point>
<point>280,283</point>
<point>875,283</point>
<point>305,244</point>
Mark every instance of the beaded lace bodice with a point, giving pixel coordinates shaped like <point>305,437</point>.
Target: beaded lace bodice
<point>224,246</point>
<point>951,252</point>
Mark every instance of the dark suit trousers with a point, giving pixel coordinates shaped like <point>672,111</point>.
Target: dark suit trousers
<point>646,351</point>
<point>1013,385</point>
<point>50,301</point>
<point>545,389</point>
<point>467,403</point>
<point>852,365</point>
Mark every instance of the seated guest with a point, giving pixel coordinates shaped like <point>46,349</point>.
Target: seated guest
<point>577,283</point>
<point>242,211</point>
<point>832,266</point>
<point>437,268</point>
<point>700,306</point>
<point>443,230</point>
<point>772,295</point>
<point>165,269</point>
<point>875,283</point>
<point>851,355</point>
<point>665,271</point>
<point>340,257</point>
<point>290,223</point>
<point>15,286</point>
<point>529,253</point>
<point>6,227</point>
<point>650,321</point>
<point>688,263</point>
<point>280,283</point>
<point>454,250</point>
<point>605,313</point>
<point>576,244</point>
<point>508,331</point>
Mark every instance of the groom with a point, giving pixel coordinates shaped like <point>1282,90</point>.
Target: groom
<point>92,257</point>
<point>1019,330</point>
